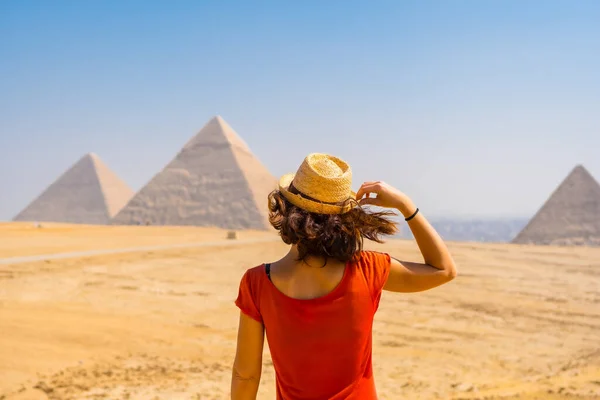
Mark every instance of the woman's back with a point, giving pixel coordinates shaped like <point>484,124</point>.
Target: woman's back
<point>305,280</point>
<point>321,346</point>
<point>318,321</point>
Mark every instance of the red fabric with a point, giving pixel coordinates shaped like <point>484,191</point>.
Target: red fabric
<point>321,348</point>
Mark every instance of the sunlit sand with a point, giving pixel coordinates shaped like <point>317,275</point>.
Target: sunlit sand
<point>519,322</point>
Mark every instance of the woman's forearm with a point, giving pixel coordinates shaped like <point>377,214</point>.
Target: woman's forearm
<point>433,248</point>
<point>244,388</point>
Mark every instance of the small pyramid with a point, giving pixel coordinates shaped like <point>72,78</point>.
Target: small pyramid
<point>87,193</point>
<point>214,180</point>
<point>571,216</point>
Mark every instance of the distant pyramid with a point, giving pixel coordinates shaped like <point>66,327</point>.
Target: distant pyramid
<point>571,216</point>
<point>87,193</point>
<point>215,180</point>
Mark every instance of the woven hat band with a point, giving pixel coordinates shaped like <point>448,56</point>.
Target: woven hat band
<point>295,191</point>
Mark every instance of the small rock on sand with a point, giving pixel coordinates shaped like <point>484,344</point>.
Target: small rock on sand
<point>464,387</point>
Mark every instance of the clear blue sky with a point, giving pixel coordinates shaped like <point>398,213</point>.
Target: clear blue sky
<point>474,108</point>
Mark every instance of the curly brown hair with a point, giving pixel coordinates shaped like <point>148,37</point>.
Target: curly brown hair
<point>339,236</point>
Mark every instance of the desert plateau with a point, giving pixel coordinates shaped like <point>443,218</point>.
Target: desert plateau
<point>151,316</point>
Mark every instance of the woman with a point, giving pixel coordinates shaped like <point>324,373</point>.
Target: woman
<point>317,303</point>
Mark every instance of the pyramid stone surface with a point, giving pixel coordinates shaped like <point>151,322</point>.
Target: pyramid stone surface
<point>571,216</point>
<point>215,180</point>
<point>87,193</point>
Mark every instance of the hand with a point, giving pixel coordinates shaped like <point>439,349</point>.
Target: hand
<point>386,196</point>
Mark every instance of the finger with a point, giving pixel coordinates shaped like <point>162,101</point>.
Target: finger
<point>369,201</point>
<point>363,193</point>
<point>360,193</point>
<point>367,187</point>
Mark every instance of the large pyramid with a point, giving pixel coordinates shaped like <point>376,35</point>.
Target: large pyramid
<point>87,193</point>
<point>571,216</point>
<point>215,180</point>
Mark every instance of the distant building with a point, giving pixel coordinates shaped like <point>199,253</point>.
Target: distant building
<point>87,193</point>
<point>571,216</point>
<point>215,180</point>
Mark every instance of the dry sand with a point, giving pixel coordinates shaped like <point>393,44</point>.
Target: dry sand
<point>518,323</point>
<point>25,239</point>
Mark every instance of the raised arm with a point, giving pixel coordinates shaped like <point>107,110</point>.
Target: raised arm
<point>405,276</point>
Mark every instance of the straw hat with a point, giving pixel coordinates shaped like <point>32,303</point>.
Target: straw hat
<point>321,185</point>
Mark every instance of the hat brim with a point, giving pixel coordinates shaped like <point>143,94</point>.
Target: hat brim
<point>311,205</point>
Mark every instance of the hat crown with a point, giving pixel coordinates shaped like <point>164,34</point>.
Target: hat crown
<point>324,178</point>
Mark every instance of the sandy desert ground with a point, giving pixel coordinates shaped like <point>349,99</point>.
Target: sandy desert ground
<point>519,322</point>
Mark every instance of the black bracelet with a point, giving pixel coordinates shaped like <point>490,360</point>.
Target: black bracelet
<point>412,216</point>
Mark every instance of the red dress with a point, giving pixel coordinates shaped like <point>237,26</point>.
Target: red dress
<point>321,348</point>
